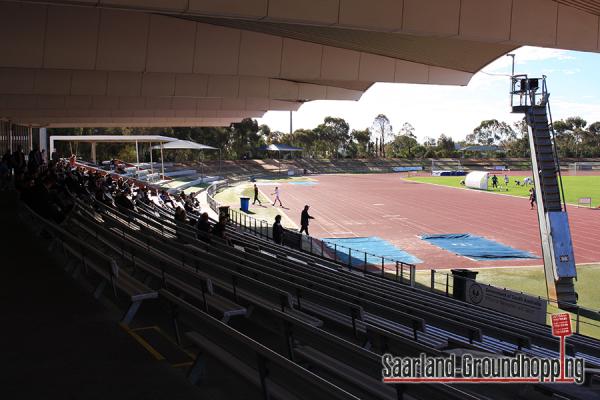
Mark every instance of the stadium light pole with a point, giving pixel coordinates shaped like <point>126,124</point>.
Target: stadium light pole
<point>512,74</point>
<point>162,161</point>
<point>512,71</point>
<point>151,163</point>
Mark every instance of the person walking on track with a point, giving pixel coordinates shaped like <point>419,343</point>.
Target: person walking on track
<point>304,217</point>
<point>532,198</point>
<point>277,199</point>
<point>256,196</point>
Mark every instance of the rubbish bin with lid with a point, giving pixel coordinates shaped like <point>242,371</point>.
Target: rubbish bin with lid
<point>244,203</point>
<point>224,211</point>
<point>459,282</point>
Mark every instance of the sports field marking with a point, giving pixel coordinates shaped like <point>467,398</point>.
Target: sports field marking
<point>322,220</point>
<point>378,204</point>
<point>467,189</point>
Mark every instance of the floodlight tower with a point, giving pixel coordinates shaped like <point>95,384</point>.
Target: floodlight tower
<point>530,96</point>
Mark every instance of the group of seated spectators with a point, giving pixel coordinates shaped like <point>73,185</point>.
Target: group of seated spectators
<point>50,192</point>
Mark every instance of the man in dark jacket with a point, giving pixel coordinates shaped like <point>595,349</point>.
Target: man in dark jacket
<point>278,230</point>
<point>203,224</point>
<point>304,220</point>
<point>256,196</point>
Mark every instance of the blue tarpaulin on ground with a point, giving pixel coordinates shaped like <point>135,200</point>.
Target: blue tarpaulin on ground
<point>476,247</point>
<point>374,247</point>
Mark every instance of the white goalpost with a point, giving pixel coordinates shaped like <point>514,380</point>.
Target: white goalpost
<point>588,166</point>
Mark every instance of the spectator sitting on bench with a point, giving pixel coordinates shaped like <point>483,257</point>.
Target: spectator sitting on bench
<point>142,195</point>
<point>180,215</point>
<point>164,196</point>
<point>219,228</point>
<point>122,200</point>
<point>194,201</point>
<point>188,205</point>
<point>203,224</point>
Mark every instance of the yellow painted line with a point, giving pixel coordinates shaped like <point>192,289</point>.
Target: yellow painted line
<point>145,328</point>
<point>183,364</point>
<point>191,355</point>
<point>144,344</point>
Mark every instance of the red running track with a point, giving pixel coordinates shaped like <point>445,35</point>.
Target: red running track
<point>397,210</point>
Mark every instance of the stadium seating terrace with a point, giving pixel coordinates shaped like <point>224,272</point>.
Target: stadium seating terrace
<point>292,324</point>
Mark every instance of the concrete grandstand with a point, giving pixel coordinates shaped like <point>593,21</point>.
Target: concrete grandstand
<point>128,290</point>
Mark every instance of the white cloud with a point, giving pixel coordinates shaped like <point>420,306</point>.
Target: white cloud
<point>526,54</point>
<point>452,110</point>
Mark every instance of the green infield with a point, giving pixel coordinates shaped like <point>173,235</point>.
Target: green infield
<point>531,280</point>
<point>575,187</point>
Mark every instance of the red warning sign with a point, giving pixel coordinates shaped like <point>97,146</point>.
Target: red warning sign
<point>561,325</point>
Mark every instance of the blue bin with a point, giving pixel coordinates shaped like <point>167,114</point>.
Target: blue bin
<point>244,203</point>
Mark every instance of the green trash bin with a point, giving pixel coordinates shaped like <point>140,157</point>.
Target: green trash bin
<point>459,282</point>
<point>244,203</point>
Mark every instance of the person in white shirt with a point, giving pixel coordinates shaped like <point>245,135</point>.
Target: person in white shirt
<point>277,199</point>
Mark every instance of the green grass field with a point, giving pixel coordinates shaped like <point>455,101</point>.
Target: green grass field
<point>531,280</point>
<point>574,186</point>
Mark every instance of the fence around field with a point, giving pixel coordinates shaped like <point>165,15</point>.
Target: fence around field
<point>585,321</point>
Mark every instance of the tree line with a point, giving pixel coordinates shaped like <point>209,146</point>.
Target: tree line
<point>334,139</point>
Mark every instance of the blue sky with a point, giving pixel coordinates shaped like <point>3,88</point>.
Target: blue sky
<point>455,111</point>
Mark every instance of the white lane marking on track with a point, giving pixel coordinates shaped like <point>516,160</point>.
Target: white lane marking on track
<point>378,204</point>
<point>322,219</point>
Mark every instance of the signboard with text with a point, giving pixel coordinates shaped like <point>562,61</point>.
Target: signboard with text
<point>506,301</point>
<point>561,325</point>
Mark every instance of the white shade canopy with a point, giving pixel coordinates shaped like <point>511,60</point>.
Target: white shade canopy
<point>113,138</point>
<point>184,144</point>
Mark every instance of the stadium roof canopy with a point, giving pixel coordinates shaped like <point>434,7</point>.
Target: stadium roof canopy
<point>214,62</point>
